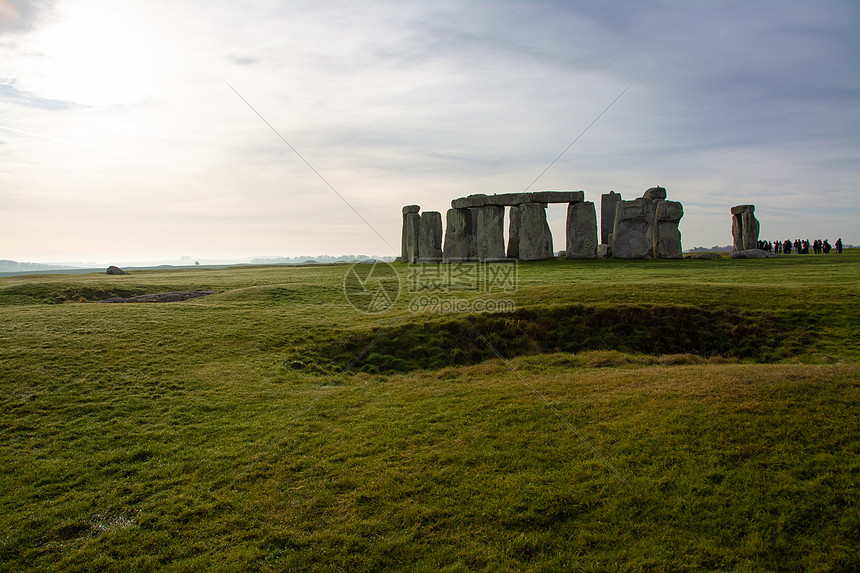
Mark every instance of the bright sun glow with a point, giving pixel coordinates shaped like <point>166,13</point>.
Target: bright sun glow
<point>98,54</point>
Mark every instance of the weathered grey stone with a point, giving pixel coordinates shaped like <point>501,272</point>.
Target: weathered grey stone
<point>411,209</point>
<point>745,228</point>
<point>604,251</point>
<point>737,232</point>
<point>667,236</point>
<point>430,237</point>
<point>534,236</point>
<point>490,239</point>
<point>514,219</point>
<point>511,199</point>
<point>751,229</point>
<point>508,199</point>
<point>114,270</point>
<point>655,194</point>
<point>459,241</point>
<point>581,230</point>
<point>557,196</point>
<point>608,201</point>
<point>409,238</point>
<point>477,200</point>
<point>632,234</point>
<point>753,254</point>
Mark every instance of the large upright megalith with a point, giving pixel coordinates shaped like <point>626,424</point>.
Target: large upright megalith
<point>490,239</point>
<point>534,237</point>
<point>667,236</point>
<point>430,237</point>
<point>632,233</point>
<point>581,230</point>
<point>459,240</point>
<point>745,228</point>
<point>514,221</point>
<point>409,235</point>
<point>608,201</point>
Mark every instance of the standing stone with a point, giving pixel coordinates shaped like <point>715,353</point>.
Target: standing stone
<point>534,236</point>
<point>608,201</point>
<point>411,223</point>
<point>581,230</point>
<point>459,241</point>
<point>632,233</point>
<point>490,239</point>
<point>745,228</point>
<point>430,237</point>
<point>409,234</point>
<point>751,229</point>
<point>667,236</point>
<point>514,232</point>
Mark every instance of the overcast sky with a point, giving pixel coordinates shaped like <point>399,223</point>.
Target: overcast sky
<point>121,140</point>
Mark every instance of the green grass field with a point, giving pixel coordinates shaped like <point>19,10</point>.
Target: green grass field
<point>626,416</point>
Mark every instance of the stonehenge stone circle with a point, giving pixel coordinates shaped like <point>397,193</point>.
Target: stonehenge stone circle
<point>647,227</point>
<point>533,237</point>
<point>632,234</point>
<point>608,201</point>
<point>459,240</point>
<point>581,230</point>
<point>514,232</point>
<point>430,237</point>
<point>642,228</point>
<point>490,239</point>
<point>667,236</point>
<point>745,228</point>
<point>409,236</point>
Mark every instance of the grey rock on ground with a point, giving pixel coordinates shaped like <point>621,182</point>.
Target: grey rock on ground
<point>754,254</point>
<point>114,270</point>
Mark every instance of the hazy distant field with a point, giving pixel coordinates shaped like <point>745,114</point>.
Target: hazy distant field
<point>626,416</point>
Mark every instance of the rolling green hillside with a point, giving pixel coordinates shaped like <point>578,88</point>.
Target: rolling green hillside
<point>623,415</point>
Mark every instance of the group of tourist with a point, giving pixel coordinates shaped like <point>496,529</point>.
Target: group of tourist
<point>801,247</point>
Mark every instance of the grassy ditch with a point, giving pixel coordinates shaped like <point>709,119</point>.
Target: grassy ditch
<point>644,329</point>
